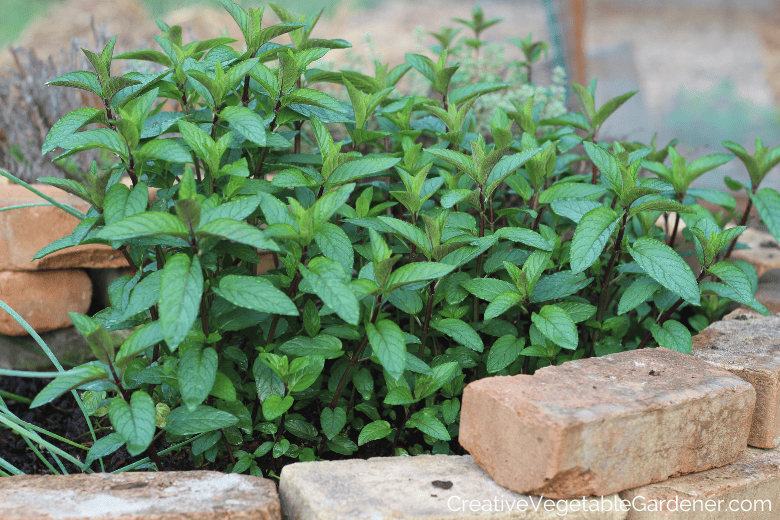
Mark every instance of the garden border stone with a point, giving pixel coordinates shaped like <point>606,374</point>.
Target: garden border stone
<point>747,344</point>
<point>601,425</point>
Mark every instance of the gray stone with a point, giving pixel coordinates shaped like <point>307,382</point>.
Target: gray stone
<point>171,495</point>
<point>24,353</point>
<point>430,487</point>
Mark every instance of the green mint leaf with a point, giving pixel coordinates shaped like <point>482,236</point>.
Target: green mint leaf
<point>568,190</point>
<point>275,406</point>
<point>767,203</point>
<point>487,288</point>
<point>573,208</point>
<point>133,421</point>
<point>666,267</point>
<point>223,388</point>
<point>502,303</point>
<point>417,272</point>
<point>389,346</point>
<point>102,138</point>
<point>252,292</point>
<point>591,236</point>
<point>181,287</point>
<point>332,421</point>
<point>196,373</point>
<point>558,285</point>
<point>182,421</point>
<point>104,446</point>
<point>504,352</point>
<point>67,125</point>
<point>673,335</point>
<point>556,326</point>
<point>637,293</point>
<point>335,244</point>
<point>450,409</point>
<point>80,79</point>
<point>236,231</point>
<point>247,122</point>
<point>461,332</point>
<point>608,164</point>
<point>147,224</point>
<point>429,425</point>
<point>67,381</point>
<point>526,237</point>
<point>143,338</point>
<point>577,311</point>
<point>734,277</point>
<point>427,384</point>
<point>360,169</point>
<point>323,345</point>
<point>374,431</point>
<point>327,280</point>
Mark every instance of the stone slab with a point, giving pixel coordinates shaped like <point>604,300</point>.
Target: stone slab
<point>25,231</point>
<point>747,344</point>
<point>747,488</point>
<point>764,252</point>
<point>170,495</point>
<point>430,487</point>
<point>43,298</point>
<point>23,353</point>
<point>601,425</point>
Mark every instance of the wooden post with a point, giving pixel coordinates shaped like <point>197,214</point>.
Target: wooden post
<point>575,43</point>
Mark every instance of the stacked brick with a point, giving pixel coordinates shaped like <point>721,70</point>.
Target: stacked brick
<point>43,291</point>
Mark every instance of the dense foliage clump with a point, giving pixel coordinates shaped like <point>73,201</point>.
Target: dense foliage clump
<point>426,245</point>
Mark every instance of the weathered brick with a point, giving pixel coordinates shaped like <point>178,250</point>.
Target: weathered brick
<point>25,231</point>
<point>764,252</point>
<point>768,291</point>
<point>747,344</point>
<point>170,495</point>
<point>431,487</point>
<point>43,298</point>
<point>601,425</point>
<point>747,488</point>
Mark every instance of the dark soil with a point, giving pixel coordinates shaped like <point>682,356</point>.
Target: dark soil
<point>63,417</point>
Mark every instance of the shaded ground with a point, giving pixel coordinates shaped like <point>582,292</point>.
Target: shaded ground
<point>63,417</point>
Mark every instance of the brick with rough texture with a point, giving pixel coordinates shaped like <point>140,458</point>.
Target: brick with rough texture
<point>764,252</point>
<point>25,231</point>
<point>768,291</point>
<point>170,495</point>
<point>769,296</point>
<point>43,298</point>
<point>601,425</point>
<point>430,487</point>
<point>748,488</point>
<point>747,344</point>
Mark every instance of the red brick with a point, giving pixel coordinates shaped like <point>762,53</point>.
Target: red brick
<point>24,232</point>
<point>747,488</point>
<point>602,425</point>
<point>746,344</point>
<point>43,298</point>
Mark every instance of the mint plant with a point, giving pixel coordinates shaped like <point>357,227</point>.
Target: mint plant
<point>412,255</point>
